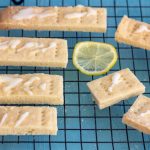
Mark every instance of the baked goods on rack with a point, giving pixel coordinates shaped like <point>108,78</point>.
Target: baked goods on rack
<point>33,52</point>
<point>79,18</point>
<point>31,89</point>
<point>28,120</point>
<point>115,87</point>
<point>133,32</point>
<point>138,116</point>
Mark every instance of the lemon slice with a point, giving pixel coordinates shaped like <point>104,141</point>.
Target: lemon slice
<point>94,58</point>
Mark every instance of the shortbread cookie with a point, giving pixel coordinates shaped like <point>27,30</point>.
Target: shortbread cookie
<point>134,33</point>
<point>115,87</point>
<point>33,52</point>
<point>77,18</point>
<point>28,120</point>
<point>31,89</point>
<point>138,115</point>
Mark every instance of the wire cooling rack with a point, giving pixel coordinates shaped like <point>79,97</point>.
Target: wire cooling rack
<point>82,126</point>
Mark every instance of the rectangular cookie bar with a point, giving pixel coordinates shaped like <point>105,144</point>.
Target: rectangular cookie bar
<point>115,87</point>
<point>138,116</point>
<point>33,52</point>
<point>31,89</point>
<point>28,120</point>
<point>77,18</point>
<point>134,33</point>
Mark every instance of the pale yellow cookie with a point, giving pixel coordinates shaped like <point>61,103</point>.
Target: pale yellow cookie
<point>77,18</point>
<point>138,116</point>
<point>115,87</point>
<point>28,120</point>
<point>33,52</point>
<point>31,89</point>
<point>134,33</point>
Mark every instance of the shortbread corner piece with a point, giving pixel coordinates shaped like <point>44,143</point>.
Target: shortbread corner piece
<point>28,120</point>
<point>115,87</point>
<point>138,116</point>
<point>134,33</point>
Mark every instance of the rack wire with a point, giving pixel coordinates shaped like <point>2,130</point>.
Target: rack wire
<point>82,126</point>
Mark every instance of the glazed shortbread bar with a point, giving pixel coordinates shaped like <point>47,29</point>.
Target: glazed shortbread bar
<point>28,120</point>
<point>134,33</point>
<point>138,115</point>
<point>77,18</point>
<point>115,87</point>
<point>33,52</point>
<point>31,89</point>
